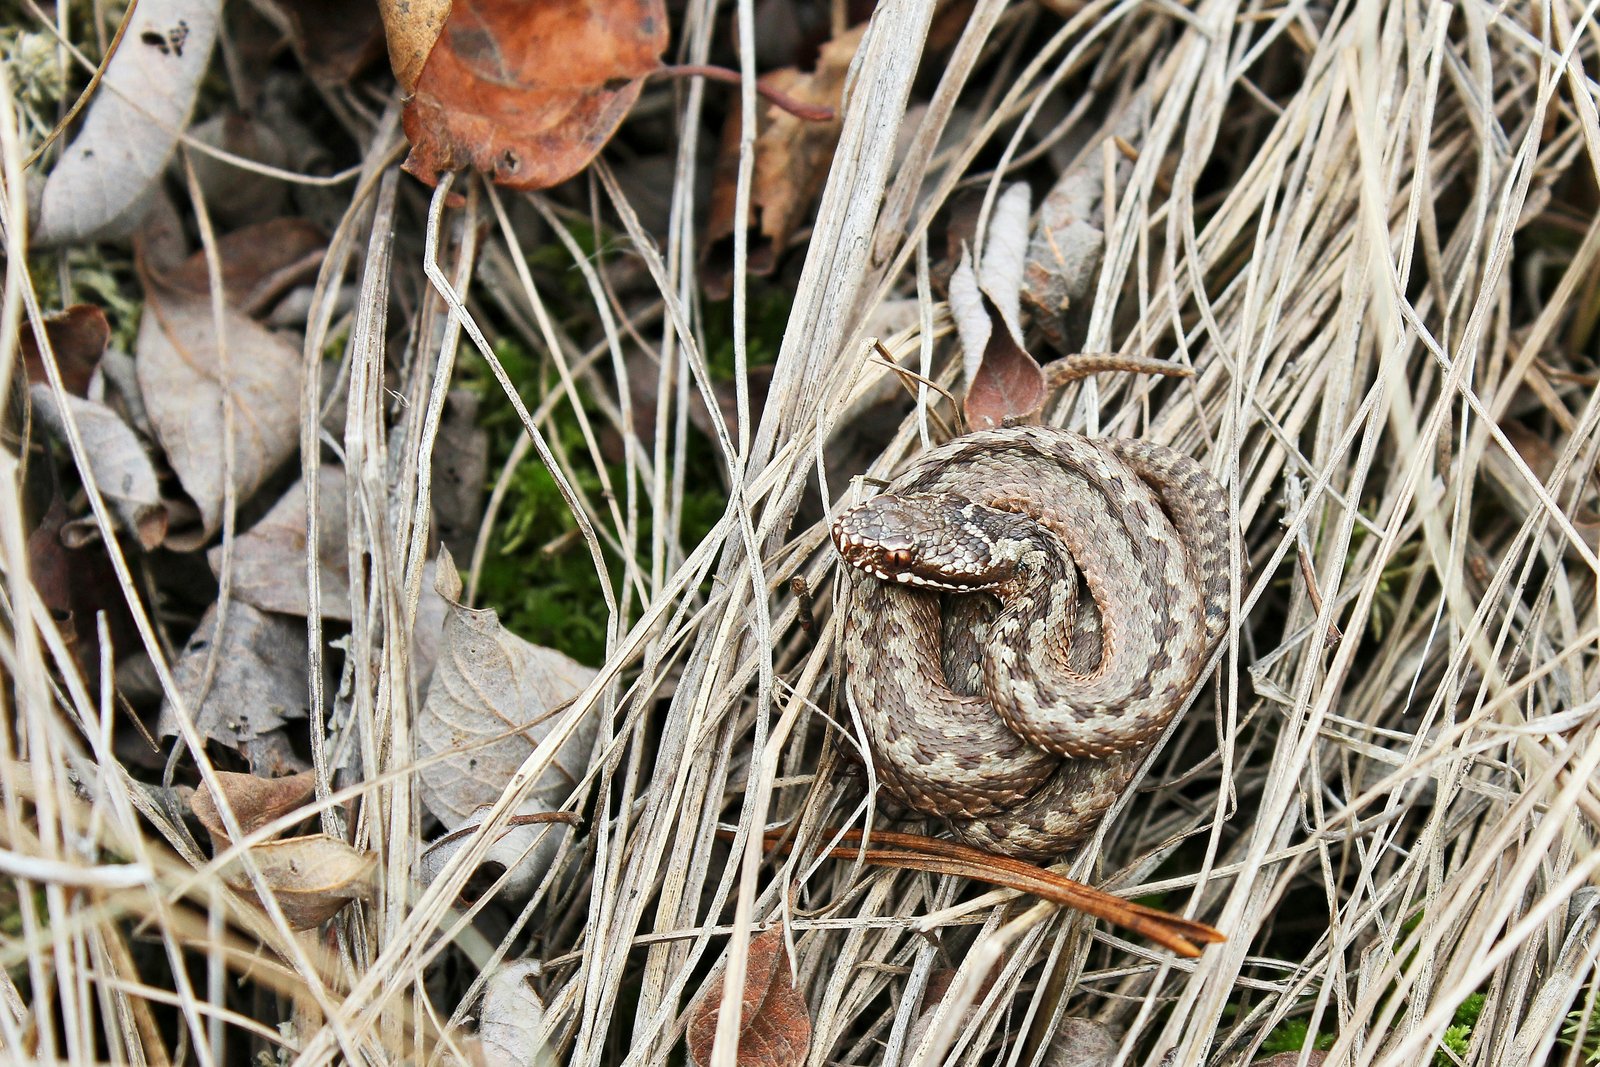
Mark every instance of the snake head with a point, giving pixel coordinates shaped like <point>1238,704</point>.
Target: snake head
<point>938,541</point>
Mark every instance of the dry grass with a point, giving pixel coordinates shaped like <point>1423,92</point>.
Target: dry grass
<point>1369,228</point>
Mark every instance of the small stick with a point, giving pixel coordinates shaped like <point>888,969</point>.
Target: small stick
<point>914,852</point>
<point>776,97</point>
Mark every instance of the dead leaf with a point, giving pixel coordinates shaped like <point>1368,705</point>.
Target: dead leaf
<point>259,263</point>
<point>48,564</point>
<point>492,697</point>
<point>997,277</point>
<point>333,39</point>
<point>511,1022</point>
<point>774,1027</point>
<point>259,681</point>
<point>181,380</point>
<point>792,157</point>
<point>235,196</point>
<point>118,460</point>
<point>411,28</point>
<point>99,187</point>
<point>77,583</point>
<point>269,559</point>
<point>525,848</point>
<point>529,94</point>
<point>78,337</point>
<point>1069,241</point>
<point>1082,1043</point>
<point>1009,387</point>
<point>255,801</point>
<point>310,877</point>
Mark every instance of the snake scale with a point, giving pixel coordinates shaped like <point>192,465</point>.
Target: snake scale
<point>992,694</point>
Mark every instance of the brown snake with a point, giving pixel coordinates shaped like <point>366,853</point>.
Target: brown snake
<point>1022,724</point>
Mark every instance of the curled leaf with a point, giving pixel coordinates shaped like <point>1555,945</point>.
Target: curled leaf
<point>528,94</point>
<point>792,157</point>
<point>78,337</point>
<point>255,801</point>
<point>1069,241</point>
<point>311,877</point>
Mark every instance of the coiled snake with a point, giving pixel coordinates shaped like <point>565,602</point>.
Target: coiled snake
<point>1021,724</point>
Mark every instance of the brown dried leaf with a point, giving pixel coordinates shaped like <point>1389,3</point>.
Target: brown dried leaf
<point>259,263</point>
<point>1008,387</point>
<point>491,699</point>
<point>269,559</point>
<point>259,681</point>
<point>529,94</point>
<point>77,583</point>
<point>121,467</point>
<point>774,1027</point>
<point>255,801</point>
<point>182,384</point>
<point>311,877</point>
<point>792,157</point>
<point>78,337</point>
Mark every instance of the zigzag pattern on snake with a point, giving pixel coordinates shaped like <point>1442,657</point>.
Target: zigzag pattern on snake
<point>1021,724</point>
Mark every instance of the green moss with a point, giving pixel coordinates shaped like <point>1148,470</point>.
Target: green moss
<point>1574,1033</point>
<point>538,572</point>
<point>1290,1036</point>
<point>1458,1035</point>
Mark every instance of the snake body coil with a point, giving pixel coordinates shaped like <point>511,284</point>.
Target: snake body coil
<point>1023,724</point>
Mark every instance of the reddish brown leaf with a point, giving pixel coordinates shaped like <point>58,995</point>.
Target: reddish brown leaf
<point>774,1028</point>
<point>1008,387</point>
<point>76,584</point>
<point>530,93</point>
<point>78,337</point>
<point>255,801</point>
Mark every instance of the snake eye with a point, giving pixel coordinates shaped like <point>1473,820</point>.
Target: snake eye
<point>901,557</point>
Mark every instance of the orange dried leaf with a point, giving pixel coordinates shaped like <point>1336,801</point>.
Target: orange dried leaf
<point>774,1028</point>
<point>255,801</point>
<point>529,94</point>
<point>792,156</point>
